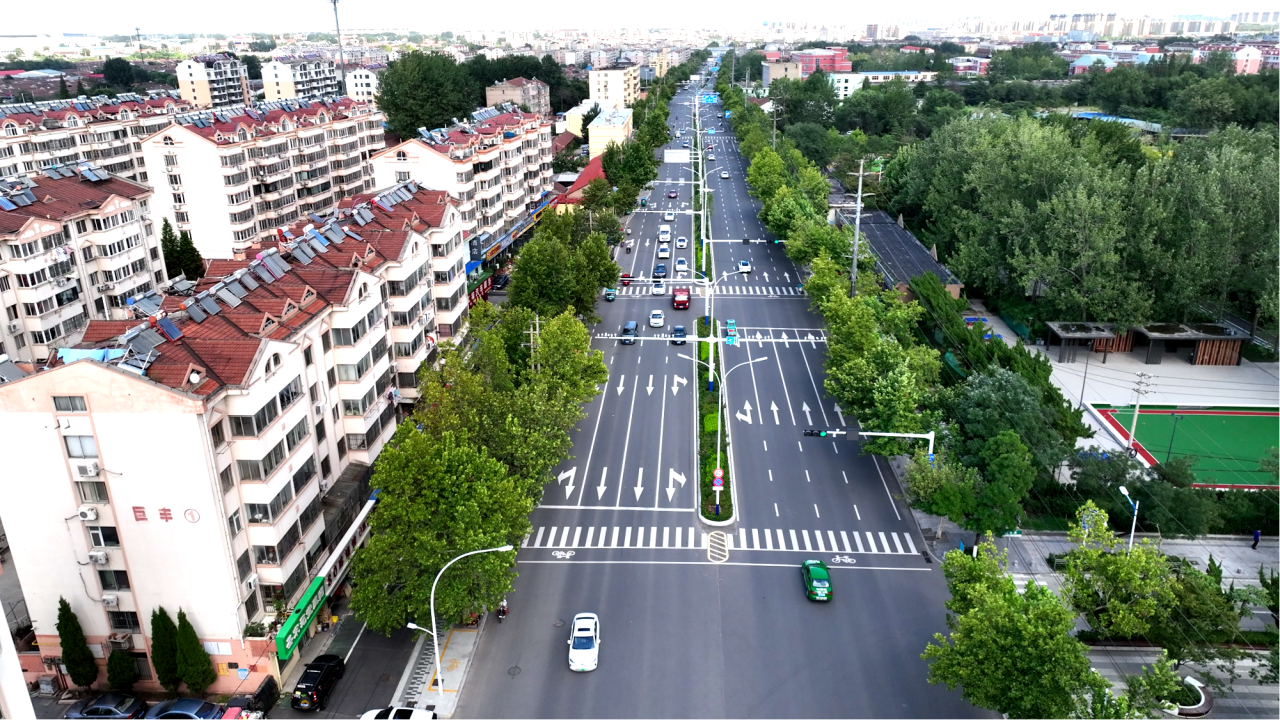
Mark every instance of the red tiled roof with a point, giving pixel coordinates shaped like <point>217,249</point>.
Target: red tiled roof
<point>65,198</point>
<point>593,170</point>
<point>562,141</point>
<point>520,82</point>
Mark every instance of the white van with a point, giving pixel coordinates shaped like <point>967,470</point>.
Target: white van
<point>664,233</point>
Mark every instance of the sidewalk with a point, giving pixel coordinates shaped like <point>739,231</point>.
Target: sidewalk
<point>337,641</point>
<point>419,687</point>
<point>1244,698</point>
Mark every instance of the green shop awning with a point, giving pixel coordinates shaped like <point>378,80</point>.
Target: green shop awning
<point>300,619</point>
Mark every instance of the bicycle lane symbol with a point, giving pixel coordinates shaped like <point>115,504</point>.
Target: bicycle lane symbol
<point>562,554</point>
<point>843,559</point>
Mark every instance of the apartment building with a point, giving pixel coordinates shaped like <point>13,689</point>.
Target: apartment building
<point>362,83</point>
<point>101,130</point>
<point>1245,59</point>
<point>969,66</point>
<point>834,59</point>
<point>846,84</point>
<point>222,440</point>
<point>305,77</point>
<point>230,178</point>
<point>213,81</point>
<point>770,71</point>
<point>610,126</point>
<point>76,243</point>
<point>619,86</point>
<point>497,167</point>
<point>533,94</point>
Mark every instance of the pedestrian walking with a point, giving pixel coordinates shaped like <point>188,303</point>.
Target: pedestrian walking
<point>1257,535</point>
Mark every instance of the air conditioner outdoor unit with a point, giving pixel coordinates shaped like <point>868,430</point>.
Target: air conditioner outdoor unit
<point>319,409</point>
<point>89,469</point>
<point>251,583</point>
<point>120,641</point>
<point>60,282</point>
<point>98,557</point>
<point>110,601</point>
<point>13,327</point>
<point>87,513</point>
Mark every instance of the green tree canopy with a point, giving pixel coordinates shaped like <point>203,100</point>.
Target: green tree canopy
<point>164,650</point>
<point>425,90</point>
<point>193,661</point>
<point>81,667</point>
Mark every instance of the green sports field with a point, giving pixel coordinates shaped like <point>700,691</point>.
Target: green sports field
<point>1228,441</point>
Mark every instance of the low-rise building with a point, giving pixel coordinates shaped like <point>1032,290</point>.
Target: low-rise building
<point>532,94</point>
<point>231,178</point>
<point>362,83</point>
<point>770,71</point>
<point>305,77</point>
<point>969,65</point>
<point>846,84</point>
<point>77,244</point>
<point>829,60</point>
<point>617,86</point>
<point>213,81</point>
<point>1246,59</point>
<point>610,126</point>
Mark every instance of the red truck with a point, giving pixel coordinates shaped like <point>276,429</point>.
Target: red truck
<point>680,298</point>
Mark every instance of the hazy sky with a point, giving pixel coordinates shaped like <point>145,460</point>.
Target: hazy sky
<point>161,16</point>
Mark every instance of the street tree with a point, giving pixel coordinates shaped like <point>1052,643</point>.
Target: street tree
<point>1008,652</point>
<point>766,175</point>
<point>81,667</point>
<point>1007,475</point>
<point>194,663</point>
<point>122,670</point>
<point>539,277</point>
<point>1119,593</point>
<point>596,194</point>
<point>424,90</point>
<point>118,72</point>
<point>592,267</point>
<point>164,650</point>
<point>990,402</point>
<point>440,496</point>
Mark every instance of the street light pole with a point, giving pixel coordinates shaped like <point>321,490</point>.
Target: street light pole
<point>857,232</point>
<point>1133,525</point>
<point>435,644</point>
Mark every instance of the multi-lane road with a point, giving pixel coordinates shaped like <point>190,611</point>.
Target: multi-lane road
<point>618,533</point>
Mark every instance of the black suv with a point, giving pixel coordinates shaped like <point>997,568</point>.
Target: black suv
<point>317,681</point>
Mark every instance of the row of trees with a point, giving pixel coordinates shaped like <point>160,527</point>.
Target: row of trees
<point>180,254</point>
<point>1015,653</point>
<point>466,468</point>
<point>1101,227</point>
<point>566,263</point>
<point>430,89</point>
<point>177,654</point>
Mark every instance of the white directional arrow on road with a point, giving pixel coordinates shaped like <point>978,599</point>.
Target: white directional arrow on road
<point>646,242</point>
<point>804,407</point>
<point>650,388</point>
<point>672,477</point>
<point>601,487</point>
<point>568,491</point>
<point>766,276</point>
<point>745,418</point>
<point>622,380</point>
<point>676,382</point>
<point>639,488</point>
<point>785,342</point>
<point>812,340</point>
<point>787,275</point>
<point>840,414</point>
<point>774,407</point>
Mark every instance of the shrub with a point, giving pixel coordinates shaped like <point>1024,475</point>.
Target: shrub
<point>122,671</point>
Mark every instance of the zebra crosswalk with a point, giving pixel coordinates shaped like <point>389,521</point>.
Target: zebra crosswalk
<point>758,290</point>
<point>691,538</point>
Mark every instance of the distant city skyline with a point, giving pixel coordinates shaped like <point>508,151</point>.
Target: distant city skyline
<point>154,16</point>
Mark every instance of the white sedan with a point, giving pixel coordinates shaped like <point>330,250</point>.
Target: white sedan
<point>682,242</point>
<point>724,174</point>
<point>657,319</point>
<point>659,288</point>
<point>669,216</point>
<point>664,251</point>
<point>682,265</point>
<point>584,643</point>
<point>744,266</point>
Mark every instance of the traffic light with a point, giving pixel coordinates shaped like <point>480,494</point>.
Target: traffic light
<point>815,433</point>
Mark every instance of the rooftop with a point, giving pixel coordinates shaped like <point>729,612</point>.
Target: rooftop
<point>62,193</point>
<point>898,253</point>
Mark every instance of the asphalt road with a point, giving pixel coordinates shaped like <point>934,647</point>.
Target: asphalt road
<point>682,636</point>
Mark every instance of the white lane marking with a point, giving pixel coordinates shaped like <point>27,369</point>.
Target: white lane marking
<point>800,445</point>
<point>844,537</point>
<point>895,541</point>
<point>755,539</point>
<point>813,383</point>
<point>627,443</point>
<point>587,468</point>
<point>775,509</point>
<point>872,541</point>
<point>766,446</point>
<point>666,537</point>
<point>886,487</point>
<point>815,511</point>
<point>653,537</point>
<point>855,512</point>
<point>858,541</point>
<point>910,545</point>
<point>794,543</point>
<point>742,535</point>
<point>805,534</point>
<point>846,477</point>
<point>771,478</point>
<point>662,421</point>
<point>884,541</point>
<point>787,566</point>
<point>537,542</point>
<point>817,535</point>
<point>833,445</point>
<point>831,534</point>
<point>614,543</point>
<point>626,540</point>
<point>768,540</point>
<point>786,393</point>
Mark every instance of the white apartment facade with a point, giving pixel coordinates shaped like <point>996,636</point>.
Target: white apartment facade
<point>75,244</point>
<point>285,78</point>
<point>846,84</point>
<point>200,445</point>
<point>67,131</point>
<point>213,81</point>
<point>497,168</point>
<point>233,178</point>
<point>362,84</point>
<point>611,126</point>
<point>615,86</point>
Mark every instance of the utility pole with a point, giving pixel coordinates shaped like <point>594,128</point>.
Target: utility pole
<point>857,232</point>
<point>342,75</point>
<point>137,33</point>
<point>1140,389</point>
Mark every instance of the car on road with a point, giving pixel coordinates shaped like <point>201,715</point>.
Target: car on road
<point>817,580</point>
<point>660,270</point>
<point>731,327</point>
<point>677,335</point>
<point>186,709</point>
<point>673,194</point>
<point>668,216</point>
<point>584,642</point>
<point>744,266</point>
<point>682,265</point>
<point>682,242</point>
<point>684,144</point>
<point>657,319</point>
<point>658,288</point>
<point>318,680</point>
<point>399,713</point>
<point>629,332</point>
<point>712,158</point>
<point>625,278</point>
<point>724,174</point>
<point>500,281</point>
<point>108,705</point>
<point>664,251</point>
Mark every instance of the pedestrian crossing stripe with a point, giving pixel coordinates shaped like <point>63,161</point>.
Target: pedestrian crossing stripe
<point>728,290</point>
<point>771,539</point>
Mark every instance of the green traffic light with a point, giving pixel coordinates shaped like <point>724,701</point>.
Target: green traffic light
<point>822,433</point>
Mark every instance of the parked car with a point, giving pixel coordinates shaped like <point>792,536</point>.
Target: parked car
<point>186,709</point>
<point>318,680</point>
<point>500,281</point>
<point>399,713</point>
<point>108,705</point>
